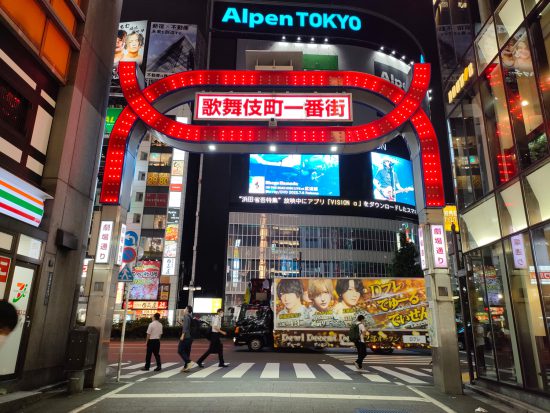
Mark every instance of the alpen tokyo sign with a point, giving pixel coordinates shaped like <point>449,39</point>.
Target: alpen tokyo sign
<point>299,18</point>
<point>258,107</point>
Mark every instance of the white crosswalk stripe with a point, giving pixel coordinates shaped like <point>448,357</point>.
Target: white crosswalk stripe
<point>168,373</point>
<point>134,366</point>
<point>238,371</point>
<point>271,371</point>
<point>207,371</point>
<point>375,378</point>
<point>404,377</point>
<point>140,372</point>
<point>411,371</point>
<point>303,371</point>
<point>334,372</point>
<point>427,370</point>
<point>116,364</point>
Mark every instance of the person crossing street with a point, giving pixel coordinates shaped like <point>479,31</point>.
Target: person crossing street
<point>154,332</point>
<point>184,345</point>
<point>357,335</point>
<point>216,345</point>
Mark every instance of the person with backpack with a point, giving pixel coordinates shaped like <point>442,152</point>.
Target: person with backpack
<point>186,339</point>
<point>357,333</point>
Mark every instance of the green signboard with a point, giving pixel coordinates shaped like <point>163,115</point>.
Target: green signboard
<point>110,119</point>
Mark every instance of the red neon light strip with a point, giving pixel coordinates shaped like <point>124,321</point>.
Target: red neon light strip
<point>407,108</point>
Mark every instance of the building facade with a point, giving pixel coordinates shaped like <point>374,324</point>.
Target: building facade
<point>495,65</point>
<point>53,83</point>
<point>268,245</point>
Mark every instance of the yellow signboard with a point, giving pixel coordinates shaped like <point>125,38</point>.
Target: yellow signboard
<point>450,216</point>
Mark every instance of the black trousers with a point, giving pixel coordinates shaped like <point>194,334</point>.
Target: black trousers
<point>184,349</point>
<point>215,346</point>
<point>153,347</point>
<point>361,352</point>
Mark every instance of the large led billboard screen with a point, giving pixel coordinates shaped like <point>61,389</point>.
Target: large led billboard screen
<point>277,174</point>
<point>392,179</point>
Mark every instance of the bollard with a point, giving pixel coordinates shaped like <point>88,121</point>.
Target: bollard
<point>76,382</point>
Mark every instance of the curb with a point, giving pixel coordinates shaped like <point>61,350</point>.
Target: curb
<point>517,405</point>
<point>15,401</point>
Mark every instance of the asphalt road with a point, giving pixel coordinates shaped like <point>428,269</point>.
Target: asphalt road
<point>266,381</point>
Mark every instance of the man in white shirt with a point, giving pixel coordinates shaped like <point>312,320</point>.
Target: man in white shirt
<point>360,342</point>
<point>216,345</point>
<point>154,331</point>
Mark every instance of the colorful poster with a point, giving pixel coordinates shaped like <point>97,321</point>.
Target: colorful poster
<point>146,281</point>
<point>164,292</point>
<point>397,304</point>
<point>130,44</point>
<point>171,50</point>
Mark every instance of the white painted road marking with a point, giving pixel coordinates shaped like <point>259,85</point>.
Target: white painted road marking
<point>271,371</point>
<point>334,372</point>
<point>303,371</point>
<point>168,373</point>
<point>404,377</point>
<point>411,371</point>
<point>139,373</point>
<point>208,395</point>
<point>238,371</point>
<point>202,373</point>
<point>376,378</point>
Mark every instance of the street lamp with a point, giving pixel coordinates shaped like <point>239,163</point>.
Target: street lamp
<point>191,288</point>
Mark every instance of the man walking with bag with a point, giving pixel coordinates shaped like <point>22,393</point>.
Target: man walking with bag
<point>154,331</point>
<point>357,334</point>
<point>184,346</point>
<point>216,345</point>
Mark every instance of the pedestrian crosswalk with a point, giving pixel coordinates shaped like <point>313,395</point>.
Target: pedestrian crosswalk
<point>287,371</point>
<point>388,359</point>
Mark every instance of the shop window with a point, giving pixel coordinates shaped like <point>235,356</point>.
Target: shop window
<point>510,210</point>
<point>147,221</point>
<point>537,195</point>
<point>541,248</point>
<point>141,176</point>
<point>29,247</point>
<point>136,218</point>
<point>481,325</point>
<point>139,196</point>
<point>500,311</point>
<point>479,226</point>
<point>444,29</point>
<point>486,46</point>
<point>484,9</point>
<point>540,36</point>
<point>6,241</point>
<point>531,334</point>
<point>523,99</point>
<point>507,19</point>
<point>159,222</point>
<point>143,156</point>
<point>497,123</point>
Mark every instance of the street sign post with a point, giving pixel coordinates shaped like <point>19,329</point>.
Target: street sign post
<point>126,276</point>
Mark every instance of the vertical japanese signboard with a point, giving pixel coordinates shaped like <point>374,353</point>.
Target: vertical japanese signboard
<point>438,246</point>
<point>422,248</point>
<point>104,242</point>
<point>121,239</point>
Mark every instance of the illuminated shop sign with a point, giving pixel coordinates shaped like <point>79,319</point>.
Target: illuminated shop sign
<point>104,242</point>
<point>466,75</point>
<point>422,248</point>
<point>438,246</point>
<point>257,107</point>
<point>252,18</point>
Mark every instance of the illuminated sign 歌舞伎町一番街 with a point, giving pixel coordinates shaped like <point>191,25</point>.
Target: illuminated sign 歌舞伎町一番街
<point>287,106</point>
<point>300,19</point>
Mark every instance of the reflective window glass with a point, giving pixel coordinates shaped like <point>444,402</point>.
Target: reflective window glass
<point>486,46</point>
<point>527,311</point>
<point>500,310</point>
<point>481,326</point>
<point>528,5</point>
<point>523,99</point>
<point>537,195</point>
<point>479,226</point>
<point>541,248</point>
<point>499,132</point>
<point>507,19</point>
<point>6,241</point>
<point>540,35</point>
<point>510,210</point>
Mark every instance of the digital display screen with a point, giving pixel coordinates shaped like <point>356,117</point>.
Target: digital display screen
<point>392,179</point>
<point>276,174</point>
<point>202,305</point>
